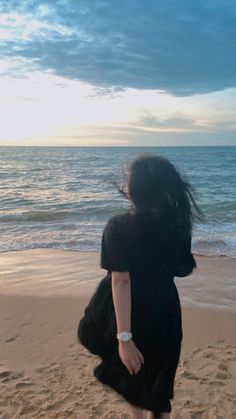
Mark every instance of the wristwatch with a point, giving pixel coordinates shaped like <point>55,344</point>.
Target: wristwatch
<point>124,336</point>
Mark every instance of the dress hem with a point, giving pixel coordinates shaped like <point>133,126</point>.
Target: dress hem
<point>157,407</point>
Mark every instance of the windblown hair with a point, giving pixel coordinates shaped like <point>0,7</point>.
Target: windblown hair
<point>156,187</point>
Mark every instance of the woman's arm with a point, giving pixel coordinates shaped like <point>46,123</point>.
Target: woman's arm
<point>121,293</point>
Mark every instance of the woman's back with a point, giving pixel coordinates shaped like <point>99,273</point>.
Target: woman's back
<point>146,247</point>
<point>153,253</point>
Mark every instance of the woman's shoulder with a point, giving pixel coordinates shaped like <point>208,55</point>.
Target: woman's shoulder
<point>120,223</point>
<point>119,219</point>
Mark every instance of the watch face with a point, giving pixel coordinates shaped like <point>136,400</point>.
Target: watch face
<point>125,336</point>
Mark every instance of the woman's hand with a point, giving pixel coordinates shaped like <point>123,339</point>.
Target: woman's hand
<point>130,355</point>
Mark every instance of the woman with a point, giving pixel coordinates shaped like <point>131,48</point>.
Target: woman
<point>133,321</point>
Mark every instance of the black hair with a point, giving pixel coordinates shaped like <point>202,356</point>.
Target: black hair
<point>156,188</point>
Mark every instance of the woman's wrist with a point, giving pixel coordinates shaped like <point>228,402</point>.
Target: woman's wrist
<point>121,343</point>
<point>124,336</point>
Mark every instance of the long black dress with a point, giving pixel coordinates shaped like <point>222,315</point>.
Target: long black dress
<point>153,253</point>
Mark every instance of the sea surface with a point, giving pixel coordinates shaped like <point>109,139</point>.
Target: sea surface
<point>61,197</point>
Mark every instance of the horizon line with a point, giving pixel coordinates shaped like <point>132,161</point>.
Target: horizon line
<point>117,146</point>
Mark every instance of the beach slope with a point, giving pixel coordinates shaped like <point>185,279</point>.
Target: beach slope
<point>45,373</point>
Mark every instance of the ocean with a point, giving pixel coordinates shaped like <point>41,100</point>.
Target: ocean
<point>62,197</point>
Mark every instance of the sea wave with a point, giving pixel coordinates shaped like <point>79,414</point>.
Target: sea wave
<point>50,216</point>
<point>36,216</point>
<point>78,239</point>
<point>215,247</point>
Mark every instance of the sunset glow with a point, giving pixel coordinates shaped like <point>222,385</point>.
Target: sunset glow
<point>53,100</point>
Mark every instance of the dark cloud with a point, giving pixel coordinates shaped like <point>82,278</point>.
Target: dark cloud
<point>183,47</point>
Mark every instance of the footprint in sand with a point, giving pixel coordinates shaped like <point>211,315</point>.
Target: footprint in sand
<point>188,374</point>
<point>40,369</point>
<point>12,339</point>
<point>222,375</point>
<point>197,414</point>
<point>49,368</point>
<point>4,374</point>
<point>23,384</point>
<point>7,375</point>
<point>96,410</point>
<point>188,403</point>
<point>216,383</point>
<point>14,376</point>
<point>209,355</point>
<point>222,366</point>
<point>223,372</point>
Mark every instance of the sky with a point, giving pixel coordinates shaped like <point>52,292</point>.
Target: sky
<point>118,72</point>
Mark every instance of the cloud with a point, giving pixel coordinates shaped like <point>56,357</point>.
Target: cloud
<point>183,47</point>
<point>176,122</point>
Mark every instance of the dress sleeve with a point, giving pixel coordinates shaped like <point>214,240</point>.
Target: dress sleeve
<point>187,262</point>
<point>114,255</point>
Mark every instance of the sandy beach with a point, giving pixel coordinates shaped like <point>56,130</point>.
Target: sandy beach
<point>45,373</point>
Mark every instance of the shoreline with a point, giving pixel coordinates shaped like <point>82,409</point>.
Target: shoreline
<point>56,272</point>
<point>61,249</point>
